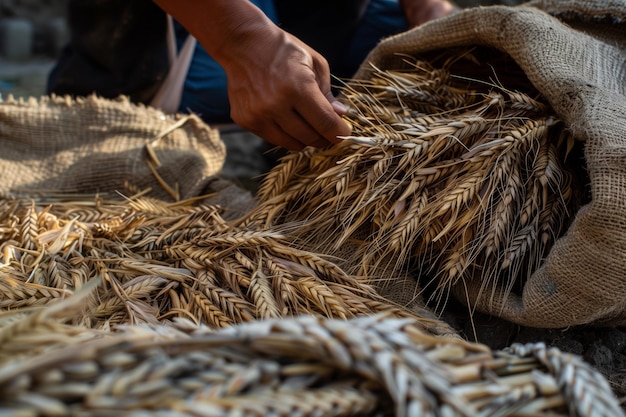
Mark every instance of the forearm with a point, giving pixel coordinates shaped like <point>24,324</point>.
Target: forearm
<point>221,26</point>
<point>278,87</point>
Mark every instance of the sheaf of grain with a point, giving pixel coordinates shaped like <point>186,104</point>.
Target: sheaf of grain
<point>321,297</point>
<point>141,287</point>
<point>209,311</point>
<point>475,161</point>
<point>260,291</point>
<point>277,179</point>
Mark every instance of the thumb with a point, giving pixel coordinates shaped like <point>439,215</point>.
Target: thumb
<point>338,106</point>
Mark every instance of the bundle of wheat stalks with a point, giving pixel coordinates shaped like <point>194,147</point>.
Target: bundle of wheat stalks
<point>453,176</point>
<point>306,366</point>
<point>159,261</point>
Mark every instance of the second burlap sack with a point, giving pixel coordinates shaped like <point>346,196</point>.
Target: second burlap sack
<point>97,145</point>
<point>574,53</point>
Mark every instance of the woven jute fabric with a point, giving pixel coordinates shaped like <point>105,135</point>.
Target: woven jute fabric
<point>99,145</point>
<point>574,53</point>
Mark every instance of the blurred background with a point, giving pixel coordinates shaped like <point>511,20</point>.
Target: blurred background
<point>32,35</point>
<point>33,32</point>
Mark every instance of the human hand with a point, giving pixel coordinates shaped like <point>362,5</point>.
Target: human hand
<point>279,89</point>
<point>418,12</point>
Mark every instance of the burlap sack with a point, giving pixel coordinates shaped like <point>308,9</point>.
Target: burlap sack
<point>94,145</point>
<point>574,53</point>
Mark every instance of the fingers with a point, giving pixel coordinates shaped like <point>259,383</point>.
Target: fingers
<point>293,132</point>
<point>319,109</point>
<point>303,117</point>
<point>315,123</point>
<point>321,115</point>
<point>442,9</point>
<point>276,136</point>
<point>299,129</point>
<point>338,107</point>
<point>288,102</point>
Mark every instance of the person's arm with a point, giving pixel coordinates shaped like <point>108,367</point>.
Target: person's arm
<point>418,12</point>
<point>278,87</point>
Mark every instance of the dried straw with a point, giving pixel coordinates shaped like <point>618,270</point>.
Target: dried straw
<point>160,261</point>
<point>311,366</point>
<point>444,177</point>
